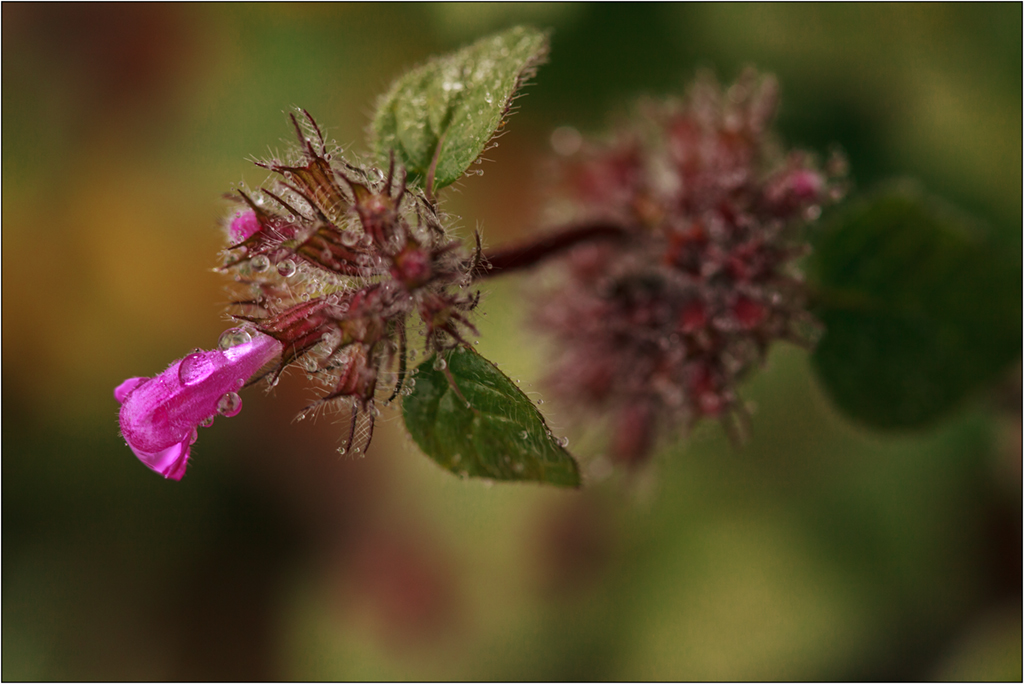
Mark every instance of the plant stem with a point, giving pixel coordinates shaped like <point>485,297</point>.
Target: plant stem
<point>528,254</point>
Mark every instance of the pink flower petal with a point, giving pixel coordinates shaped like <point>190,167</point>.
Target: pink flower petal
<point>243,227</point>
<point>122,391</point>
<point>159,416</point>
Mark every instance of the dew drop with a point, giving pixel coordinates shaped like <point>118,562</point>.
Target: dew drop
<point>342,450</point>
<point>232,337</point>
<point>439,363</point>
<point>259,263</point>
<point>229,404</point>
<point>524,434</point>
<point>563,442</point>
<point>194,368</point>
<point>194,436</point>
<point>286,268</point>
<point>207,422</point>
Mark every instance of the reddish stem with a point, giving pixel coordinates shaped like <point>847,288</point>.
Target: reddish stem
<point>530,253</point>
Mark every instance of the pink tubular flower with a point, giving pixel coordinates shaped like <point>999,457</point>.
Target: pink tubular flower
<point>160,416</point>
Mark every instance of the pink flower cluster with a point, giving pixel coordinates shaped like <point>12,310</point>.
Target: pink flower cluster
<point>658,327</point>
<point>330,260</point>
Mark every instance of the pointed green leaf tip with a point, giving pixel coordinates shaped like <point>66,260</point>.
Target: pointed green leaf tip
<point>443,114</point>
<point>919,309</point>
<point>500,436</point>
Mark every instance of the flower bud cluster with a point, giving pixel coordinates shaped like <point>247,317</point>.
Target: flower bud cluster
<point>331,259</point>
<point>658,327</point>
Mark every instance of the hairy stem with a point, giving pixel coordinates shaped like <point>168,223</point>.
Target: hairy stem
<point>529,254</point>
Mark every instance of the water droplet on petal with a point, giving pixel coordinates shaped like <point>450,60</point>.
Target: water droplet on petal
<point>232,337</point>
<point>229,404</point>
<point>194,436</point>
<point>207,422</point>
<point>194,368</point>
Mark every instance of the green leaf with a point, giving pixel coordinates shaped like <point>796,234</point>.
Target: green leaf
<point>919,309</point>
<point>500,435</point>
<point>443,114</point>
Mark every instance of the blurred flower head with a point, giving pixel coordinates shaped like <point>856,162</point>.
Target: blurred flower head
<point>659,329</point>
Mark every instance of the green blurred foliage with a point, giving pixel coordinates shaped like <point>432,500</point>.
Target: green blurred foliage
<point>819,551</point>
<point>920,308</point>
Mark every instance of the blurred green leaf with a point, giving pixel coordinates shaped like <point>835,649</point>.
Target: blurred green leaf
<point>443,114</point>
<point>919,309</point>
<point>499,435</point>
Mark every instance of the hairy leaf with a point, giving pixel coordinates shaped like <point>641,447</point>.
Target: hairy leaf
<point>500,435</point>
<point>919,309</point>
<point>439,117</point>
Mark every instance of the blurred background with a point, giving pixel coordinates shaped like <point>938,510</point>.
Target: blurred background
<point>820,551</point>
